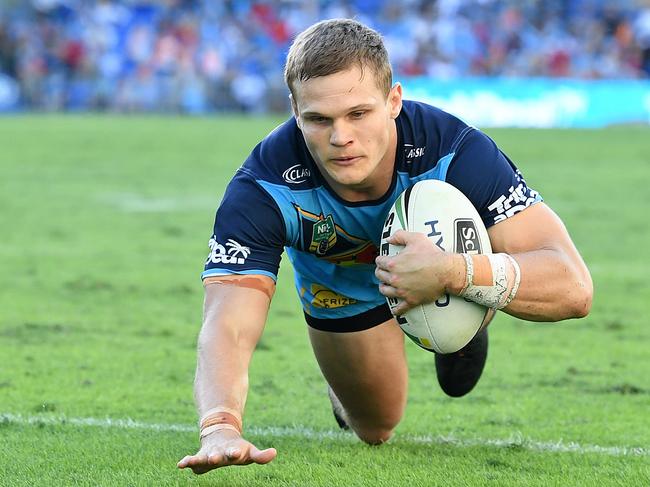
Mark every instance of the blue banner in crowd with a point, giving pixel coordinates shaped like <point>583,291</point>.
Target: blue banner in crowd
<point>522,102</point>
<point>9,93</point>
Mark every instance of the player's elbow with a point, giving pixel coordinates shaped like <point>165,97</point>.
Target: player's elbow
<point>580,299</point>
<point>583,303</point>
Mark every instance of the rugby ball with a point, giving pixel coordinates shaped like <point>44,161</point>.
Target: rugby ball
<point>451,222</point>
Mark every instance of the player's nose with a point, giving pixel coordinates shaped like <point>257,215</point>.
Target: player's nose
<point>341,134</point>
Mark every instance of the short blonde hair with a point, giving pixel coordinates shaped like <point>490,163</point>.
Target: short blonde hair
<point>331,46</point>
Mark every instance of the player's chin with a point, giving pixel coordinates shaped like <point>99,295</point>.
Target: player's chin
<point>350,177</point>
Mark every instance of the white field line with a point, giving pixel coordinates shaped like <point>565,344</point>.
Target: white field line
<point>297,431</point>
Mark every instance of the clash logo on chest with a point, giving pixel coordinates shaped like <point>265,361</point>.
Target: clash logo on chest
<point>326,239</point>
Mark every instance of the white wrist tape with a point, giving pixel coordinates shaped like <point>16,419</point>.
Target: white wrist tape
<point>217,410</point>
<point>217,427</point>
<point>469,273</point>
<point>515,287</point>
<point>502,291</point>
<point>220,418</point>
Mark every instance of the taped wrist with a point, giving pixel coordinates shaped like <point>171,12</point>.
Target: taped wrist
<point>491,280</point>
<point>220,418</point>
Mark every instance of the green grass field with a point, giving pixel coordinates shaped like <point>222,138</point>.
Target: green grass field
<point>105,223</point>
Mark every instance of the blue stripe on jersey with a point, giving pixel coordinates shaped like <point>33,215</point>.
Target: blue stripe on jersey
<point>284,198</point>
<point>228,272</point>
<point>439,172</point>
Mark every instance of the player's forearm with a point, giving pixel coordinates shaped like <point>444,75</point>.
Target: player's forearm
<point>555,283</point>
<point>221,372</point>
<point>233,322</point>
<point>554,286</point>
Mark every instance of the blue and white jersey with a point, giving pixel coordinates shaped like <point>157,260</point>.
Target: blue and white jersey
<point>279,200</point>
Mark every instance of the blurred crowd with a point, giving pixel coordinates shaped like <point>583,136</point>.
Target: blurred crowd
<point>196,56</point>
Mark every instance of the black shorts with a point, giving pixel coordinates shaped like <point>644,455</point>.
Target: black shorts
<point>364,321</point>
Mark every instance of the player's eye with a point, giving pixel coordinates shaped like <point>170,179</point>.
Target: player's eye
<point>358,114</point>
<point>317,119</point>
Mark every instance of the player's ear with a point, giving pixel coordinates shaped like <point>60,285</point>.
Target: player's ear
<point>395,100</point>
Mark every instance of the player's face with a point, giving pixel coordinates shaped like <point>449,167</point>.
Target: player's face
<point>349,126</point>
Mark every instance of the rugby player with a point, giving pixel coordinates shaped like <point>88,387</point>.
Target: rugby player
<point>320,186</point>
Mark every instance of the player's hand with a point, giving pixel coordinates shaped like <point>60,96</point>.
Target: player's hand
<point>420,273</point>
<point>223,448</point>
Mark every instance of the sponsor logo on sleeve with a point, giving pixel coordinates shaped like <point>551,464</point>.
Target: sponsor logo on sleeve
<point>518,198</point>
<point>232,253</point>
<point>296,174</point>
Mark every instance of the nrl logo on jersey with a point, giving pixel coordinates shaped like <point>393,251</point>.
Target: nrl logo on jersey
<point>323,236</point>
<point>232,253</point>
<point>412,152</point>
<point>296,174</point>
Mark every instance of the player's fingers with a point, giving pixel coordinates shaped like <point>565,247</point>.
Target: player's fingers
<point>262,456</point>
<point>386,262</point>
<point>388,291</point>
<point>198,463</point>
<point>194,460</point>
<point>211,461</point>
<point>402,305</point>
<point>203,468</point>
<point>184,462</point>
<point>234,455</point>
<point>382,275</point>
<point>239,453</point>
<point>249,453</point>
<point>205,463</point>
<point>400,237</point>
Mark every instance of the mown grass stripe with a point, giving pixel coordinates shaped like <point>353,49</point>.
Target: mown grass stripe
<point>298,431</point>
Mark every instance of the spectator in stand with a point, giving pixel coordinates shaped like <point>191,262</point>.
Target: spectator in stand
<point>199,55</point>
<point>641,31</point>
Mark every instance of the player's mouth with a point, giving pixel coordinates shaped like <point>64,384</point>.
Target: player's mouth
<point>345,161</point>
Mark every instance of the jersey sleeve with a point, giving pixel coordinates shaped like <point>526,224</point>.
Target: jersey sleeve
<point>489,179</point>
<point>249,232</point>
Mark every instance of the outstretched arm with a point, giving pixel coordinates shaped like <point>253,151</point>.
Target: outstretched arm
<point>235,312</point>
<point>555,283</point>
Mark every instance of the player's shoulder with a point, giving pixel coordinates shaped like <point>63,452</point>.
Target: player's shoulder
<point>428,135</point>
<point>428,119</point>
<point>281,158</point>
